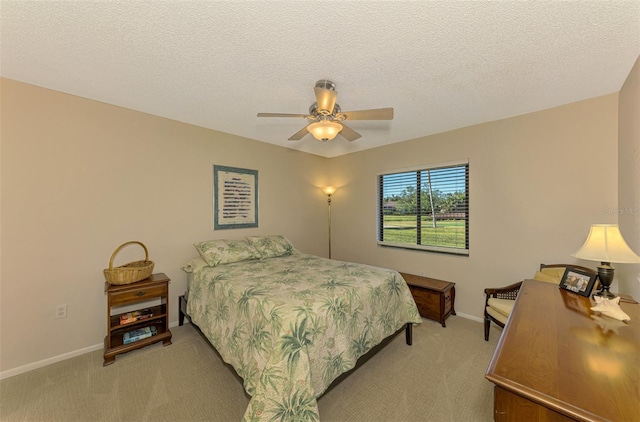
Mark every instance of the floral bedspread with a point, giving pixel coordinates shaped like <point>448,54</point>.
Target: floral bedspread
<point>291,325</point>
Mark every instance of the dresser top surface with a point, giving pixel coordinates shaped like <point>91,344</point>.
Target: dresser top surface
<point>559,353</point>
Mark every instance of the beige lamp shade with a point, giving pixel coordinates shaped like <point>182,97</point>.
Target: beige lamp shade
<point>324,130</point>
<point>329,190</point>
<point>606,244</point>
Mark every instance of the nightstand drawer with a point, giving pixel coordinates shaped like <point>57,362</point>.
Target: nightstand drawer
<point>137,295</point>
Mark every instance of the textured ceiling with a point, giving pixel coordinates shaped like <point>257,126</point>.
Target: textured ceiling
<point>440,64</point>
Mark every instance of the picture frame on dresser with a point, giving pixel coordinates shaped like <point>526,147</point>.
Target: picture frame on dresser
<point>577,281</point>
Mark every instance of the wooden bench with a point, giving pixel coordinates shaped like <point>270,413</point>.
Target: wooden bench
<point>435,298</point>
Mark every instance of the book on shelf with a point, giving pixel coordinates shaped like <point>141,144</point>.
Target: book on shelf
<point>139,334</point>
<point>136,316</point>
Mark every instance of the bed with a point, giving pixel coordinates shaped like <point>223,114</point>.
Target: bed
<point>290,323</point>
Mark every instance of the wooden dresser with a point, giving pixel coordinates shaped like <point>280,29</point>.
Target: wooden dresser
<point>559,361</point>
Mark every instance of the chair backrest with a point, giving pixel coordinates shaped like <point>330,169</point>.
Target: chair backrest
<point>552,273</point>
<point>577,267</point>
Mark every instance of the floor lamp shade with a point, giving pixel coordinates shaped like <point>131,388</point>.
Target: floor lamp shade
<point>606,244</point>
<point>329,190</point>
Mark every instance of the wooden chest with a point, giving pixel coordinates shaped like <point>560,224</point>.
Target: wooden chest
<point>435,298</point>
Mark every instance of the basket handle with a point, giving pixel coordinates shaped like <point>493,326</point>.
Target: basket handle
<point>113,255</point>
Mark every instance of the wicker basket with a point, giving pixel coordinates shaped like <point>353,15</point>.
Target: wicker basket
<point>131,272</point>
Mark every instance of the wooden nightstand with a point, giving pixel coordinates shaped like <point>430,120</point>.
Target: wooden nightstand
<point>435,298</point>
<point>156,286</point>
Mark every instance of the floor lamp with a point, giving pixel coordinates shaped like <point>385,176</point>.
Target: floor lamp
<point>329,190</point>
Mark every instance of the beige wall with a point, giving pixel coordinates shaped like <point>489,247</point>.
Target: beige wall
<point>628,208</point>
<point>81,177</point>
<point>537,183</point>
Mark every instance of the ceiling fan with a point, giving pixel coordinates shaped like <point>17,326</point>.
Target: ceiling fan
<point>327,119</point>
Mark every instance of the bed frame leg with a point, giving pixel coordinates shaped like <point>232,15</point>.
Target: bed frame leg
<point>182,309</point>
<point>409,333</point>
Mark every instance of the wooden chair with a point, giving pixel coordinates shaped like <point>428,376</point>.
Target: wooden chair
<point>500,300</point>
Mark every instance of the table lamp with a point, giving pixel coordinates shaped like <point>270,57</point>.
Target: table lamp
<point>606,244</point>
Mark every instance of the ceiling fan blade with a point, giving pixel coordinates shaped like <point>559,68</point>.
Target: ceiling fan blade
<point>299,134</point>
<point>373,114</point>
<point>326,100</point>
<point>282,115</point>
<point>348,133</point>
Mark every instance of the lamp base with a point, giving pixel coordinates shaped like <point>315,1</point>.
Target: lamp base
<point>605,274</point>
<point>605,294</point>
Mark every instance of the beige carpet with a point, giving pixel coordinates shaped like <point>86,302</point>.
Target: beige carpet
<point>439,378</point>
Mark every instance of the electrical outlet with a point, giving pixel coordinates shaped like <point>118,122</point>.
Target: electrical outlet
<point>61,311</point>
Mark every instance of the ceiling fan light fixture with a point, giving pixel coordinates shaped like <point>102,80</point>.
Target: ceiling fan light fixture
<point>324,130</point>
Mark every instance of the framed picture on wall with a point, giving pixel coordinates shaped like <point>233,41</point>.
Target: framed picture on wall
<point>235,198</point>
<point>577,281</point>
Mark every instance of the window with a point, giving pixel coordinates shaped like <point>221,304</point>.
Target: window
<point>425,208</point>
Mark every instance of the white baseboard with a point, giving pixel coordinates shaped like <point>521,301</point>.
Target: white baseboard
<point>39,364</point>
<point>35,365</point>
<point>471,317</point>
